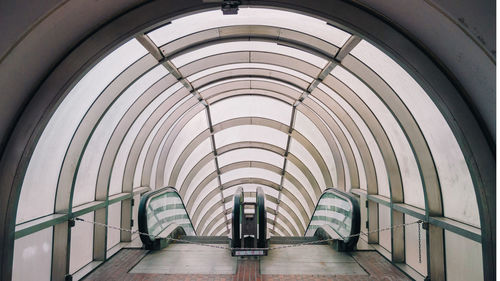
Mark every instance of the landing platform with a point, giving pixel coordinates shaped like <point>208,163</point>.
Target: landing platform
<point>195,262</point>
<point>310,260</point>
<point>187,259</point>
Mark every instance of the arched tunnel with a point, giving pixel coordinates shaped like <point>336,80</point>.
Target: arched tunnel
<point>393,102</point>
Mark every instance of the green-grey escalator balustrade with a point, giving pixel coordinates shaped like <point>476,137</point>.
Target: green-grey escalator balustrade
<point>337,217</point>
<point>162,214</point>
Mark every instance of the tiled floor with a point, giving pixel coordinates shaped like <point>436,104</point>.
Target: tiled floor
<point>119,266</point>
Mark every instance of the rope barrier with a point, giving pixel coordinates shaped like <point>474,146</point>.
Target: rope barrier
<point>419,222</point>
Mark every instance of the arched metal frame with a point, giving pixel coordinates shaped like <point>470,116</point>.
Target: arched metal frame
<point>470,146</point>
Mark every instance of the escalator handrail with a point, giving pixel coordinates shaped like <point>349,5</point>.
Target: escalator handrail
<point>261,218</point>
<point>238,200</point>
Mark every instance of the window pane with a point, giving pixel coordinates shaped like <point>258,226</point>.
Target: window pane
<point>464,259</point>
<point>384,221</point>
<point>194,127</point>
<point>295,191</point>
<point>355,150</point>
<point>213,184</point>
<point>251,133</point>
<point>297,173</point>
<point>250,106</point>
<point>126,145</point>
<point>42,175</point>
<point>378,160</point>
<point>248,16</point>
<point>312,133</point>
<point>198,153</point>
<point>293,206</point>
<point>300,152</point>
<point>114,219</point>
<point>459,198</point>
<point>212,70</point>
<point>91,160</point>
<point>149,140</point>
<point>247,46</point>
<point>250,173</point>
<point>33,256</point>
<point>250,154</point>
<point>82,242</point>
<point>412,184</point>
<point>198,178</point>
<point>213,201</point>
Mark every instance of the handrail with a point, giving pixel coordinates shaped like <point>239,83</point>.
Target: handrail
<point>261,215</point>
<point>162,214</point>
<point>249,229</point>
<point>238,200</point>
<point>338,211</point>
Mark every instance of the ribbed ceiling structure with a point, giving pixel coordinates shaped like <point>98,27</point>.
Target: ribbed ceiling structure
<point>208,102</point>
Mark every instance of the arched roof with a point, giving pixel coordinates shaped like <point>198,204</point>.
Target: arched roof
<point>293,103</point>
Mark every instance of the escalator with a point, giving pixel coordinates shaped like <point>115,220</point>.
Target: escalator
<point>162,215</point>
<point>336,218</point>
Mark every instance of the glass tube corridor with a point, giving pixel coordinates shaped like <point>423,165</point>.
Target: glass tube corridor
<point>289,109</point>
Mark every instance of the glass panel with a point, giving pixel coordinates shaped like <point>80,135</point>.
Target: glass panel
<point>33,256</point>
<point>384,221</point>
<point>211,217</point>
<point>250,173</point>
<point>412,184</point>
<point>464,259</point>
<point>82,243</point>
<point>199,177</point>
<point>250,83</point>
<point>277,230</point>
<point>250,106</point>
<point>378,160</point>
<point>249,72</point>
<point>149,140</point>
<point>257,46</point>
<point>198,153</point>
<point>250,154</point>
<point>126,145</point>
<point>91,160</point>
<point>334,211</point>
<point>312,133</point>
<point>293,206</point>
<point>251,133</point>
<point>355,150</point>
<point>295,191</point>
<point>411,246</point>
<point>300,152</point>
<point>42,175</point>
<point>289,217</point>
<point>248,16</point>
<point>459,198</point>
<point>195,126</point>
<point>212,70</point>
<point>162,210</point>
<point>297,173</point>
<point>280,222</point>
<point>213,184</point>
<point>213,201</point>
<point>114,219</point>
